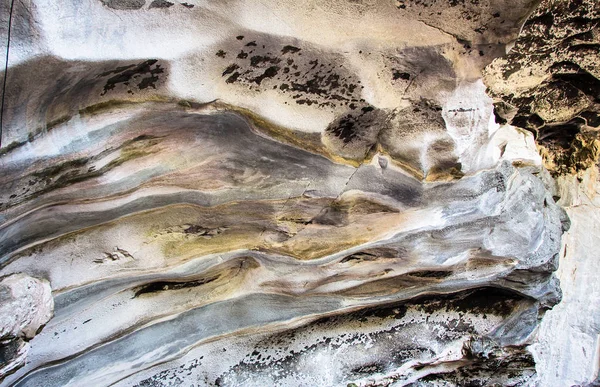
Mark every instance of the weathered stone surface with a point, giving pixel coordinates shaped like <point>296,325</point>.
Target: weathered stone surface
<point>550,83</point>
<point>283,193</point>
<point>567,349</point>
<point>26,305</point>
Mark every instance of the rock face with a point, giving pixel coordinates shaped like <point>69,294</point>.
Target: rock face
<point>277,193</point>
<point>569,334</point>
<point>550,83</point>
<point>26,305</point>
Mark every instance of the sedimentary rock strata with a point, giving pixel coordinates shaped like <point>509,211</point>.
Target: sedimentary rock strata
<point>282,193</point>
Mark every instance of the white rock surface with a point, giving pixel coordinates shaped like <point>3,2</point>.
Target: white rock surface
<point>568,351</point>
<point>26,305</point>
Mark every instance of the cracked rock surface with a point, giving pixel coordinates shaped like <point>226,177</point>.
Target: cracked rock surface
<point>279,193</point>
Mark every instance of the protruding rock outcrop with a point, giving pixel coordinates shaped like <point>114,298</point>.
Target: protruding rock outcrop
<point>26,305</point>
<point>549,83</point>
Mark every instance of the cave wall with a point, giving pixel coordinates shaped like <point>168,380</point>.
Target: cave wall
<point>549,85</point>
<point>243,193</point>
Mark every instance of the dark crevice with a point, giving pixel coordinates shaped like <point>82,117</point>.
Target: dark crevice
<point>161,286</point>
<point>431,274</point>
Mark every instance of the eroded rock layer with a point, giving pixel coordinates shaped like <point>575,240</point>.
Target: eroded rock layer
<point>550,83</point>
<point>273,193</point>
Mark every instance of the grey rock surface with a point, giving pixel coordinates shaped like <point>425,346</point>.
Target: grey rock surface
<point>279,193</point>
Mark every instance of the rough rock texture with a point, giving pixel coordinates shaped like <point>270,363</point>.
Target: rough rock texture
<point>276,193</point>
<point>550,83</point>
<point>26,305</point>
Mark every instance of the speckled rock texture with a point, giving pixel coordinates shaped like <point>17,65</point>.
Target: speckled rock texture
<point>284,193</point>
<point>549,83</point>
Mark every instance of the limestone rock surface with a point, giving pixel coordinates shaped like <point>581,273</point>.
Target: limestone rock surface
<point>245,193</point>
<point>26,305</point>
<point>549,83</point>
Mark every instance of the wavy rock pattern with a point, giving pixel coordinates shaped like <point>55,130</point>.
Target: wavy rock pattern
<point>222,194</point>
